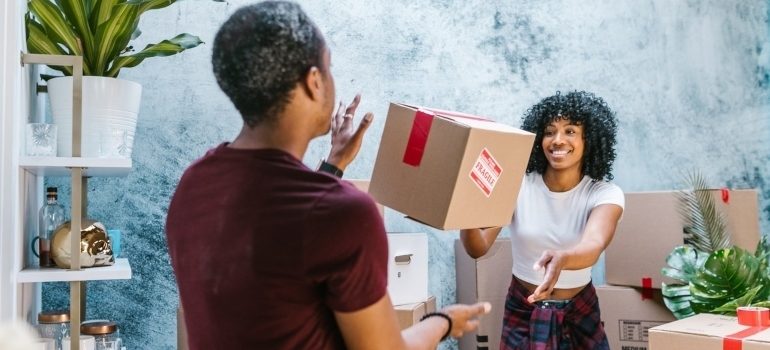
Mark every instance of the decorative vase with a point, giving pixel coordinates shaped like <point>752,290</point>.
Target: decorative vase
<point>95,246</point>
<point>110,110</point>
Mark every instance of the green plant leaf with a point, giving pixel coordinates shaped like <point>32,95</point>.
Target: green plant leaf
<point>683,263</point>
<point>98,30</point>
<point>38,42</point>
<point>56,26</point>
<point>763,251</point>
<point>727,274</point>
<point>677,299</point>
<point>745,300</point>
<point>119,28</point>
<point>76,13</point>
<point>147,5</point>
<point>101,13</point>
<point>705,227</point>
<point>114,34</point>
<point>168,47</point>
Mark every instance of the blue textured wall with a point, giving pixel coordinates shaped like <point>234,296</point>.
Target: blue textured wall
<point>688,79</point>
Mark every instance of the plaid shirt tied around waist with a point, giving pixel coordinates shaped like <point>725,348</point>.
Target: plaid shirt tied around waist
<point>552,325</point>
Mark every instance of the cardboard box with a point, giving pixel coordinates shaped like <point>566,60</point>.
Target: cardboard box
<point>363,186</point>
<point>484,279</point>
<point>628,314</point>
<point>449,170</point>
<point>409,314</point>
<point>407,267</point>
<point>706,332</point>
<point>652,227</point>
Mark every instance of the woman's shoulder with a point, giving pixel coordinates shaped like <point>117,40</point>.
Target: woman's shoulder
<point>605,192</point>
<point>603,185</point>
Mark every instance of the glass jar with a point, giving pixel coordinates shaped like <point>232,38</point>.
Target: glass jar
<point>105,333</point>
<point>54,325</point>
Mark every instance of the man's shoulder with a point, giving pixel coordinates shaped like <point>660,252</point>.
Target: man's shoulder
<point>344,193</point>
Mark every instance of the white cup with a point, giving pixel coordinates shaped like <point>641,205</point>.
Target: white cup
<point>87,342</point>
<point>45,344</point>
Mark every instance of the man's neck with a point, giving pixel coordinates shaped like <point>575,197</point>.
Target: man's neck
<point>270,136</point>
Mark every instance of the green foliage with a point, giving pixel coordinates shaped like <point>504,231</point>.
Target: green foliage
<point>677,298</point>
<point>684,262</point>
<point>729,275</point>
<point>705,227</point>
<point>714,276</point>
<point>98,30</point>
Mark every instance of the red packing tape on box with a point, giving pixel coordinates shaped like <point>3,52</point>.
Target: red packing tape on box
<point>756,318</point>
<point>647,288</point>
<point>418,136</point>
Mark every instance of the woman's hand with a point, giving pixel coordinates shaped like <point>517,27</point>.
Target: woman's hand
<point>553,262</point>
<point>346,140</point>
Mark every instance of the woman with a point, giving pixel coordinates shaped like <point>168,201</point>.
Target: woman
<point>565,217</point>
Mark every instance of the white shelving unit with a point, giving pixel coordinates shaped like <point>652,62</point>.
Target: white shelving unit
<point>31,171</point>
<point>120,271</point>
<point>61,166</point>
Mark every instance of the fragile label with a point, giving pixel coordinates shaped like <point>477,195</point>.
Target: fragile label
<point>485,172</point>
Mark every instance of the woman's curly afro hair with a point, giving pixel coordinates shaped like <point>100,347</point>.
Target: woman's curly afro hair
<point>582,108</point>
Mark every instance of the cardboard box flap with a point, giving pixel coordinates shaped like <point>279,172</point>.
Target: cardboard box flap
<point>470,120</point>
<point>703,325</point>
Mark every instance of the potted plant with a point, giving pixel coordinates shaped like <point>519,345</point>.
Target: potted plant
<point>714,275</point>
<point>100,31</point>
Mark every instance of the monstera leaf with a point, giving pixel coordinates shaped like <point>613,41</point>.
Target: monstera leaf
<point>727,275</point>
<point>684,263</point>
<point>730,307</point>
<point>677,298</point>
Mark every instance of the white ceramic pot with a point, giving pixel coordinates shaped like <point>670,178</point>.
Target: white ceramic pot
<point>110,110</point>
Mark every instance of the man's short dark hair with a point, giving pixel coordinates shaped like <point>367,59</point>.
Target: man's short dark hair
<point>259,55</point>
<point>583,108</point>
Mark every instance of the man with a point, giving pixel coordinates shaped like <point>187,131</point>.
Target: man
<point>269,254</point>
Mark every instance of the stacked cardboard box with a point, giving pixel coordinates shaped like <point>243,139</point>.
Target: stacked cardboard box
<point>650,229</point>
<point>628,314</point>
<point>484,279</point>
<point>409,314</point>
<point>709,332</point>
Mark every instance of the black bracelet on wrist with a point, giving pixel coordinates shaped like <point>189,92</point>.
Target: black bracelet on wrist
<point>330,168</point>
<point>444,316</point>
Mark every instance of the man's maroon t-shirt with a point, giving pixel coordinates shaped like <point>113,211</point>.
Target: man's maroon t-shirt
<point>265,250</point>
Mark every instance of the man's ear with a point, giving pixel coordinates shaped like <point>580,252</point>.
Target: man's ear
<point>313,83</point>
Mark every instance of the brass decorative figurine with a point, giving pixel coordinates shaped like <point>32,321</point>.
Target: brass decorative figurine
<point>95,245</point>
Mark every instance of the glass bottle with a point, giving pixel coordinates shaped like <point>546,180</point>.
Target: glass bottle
<point>51,216</point>
<point>105,333</point>
<point>54,325</point>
